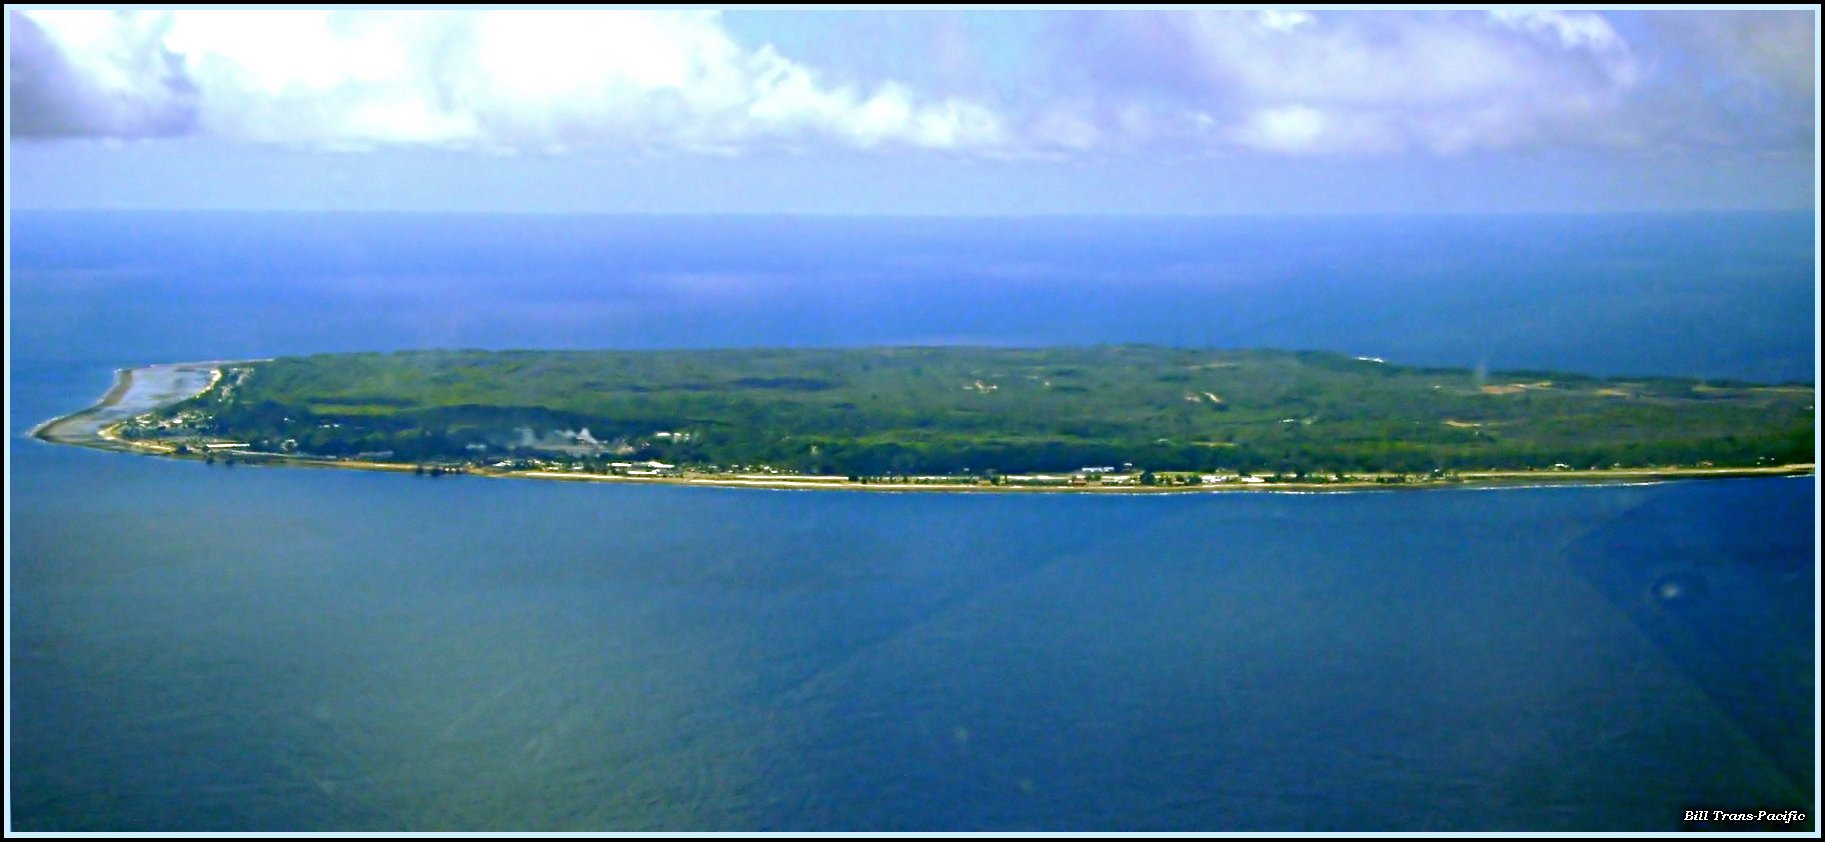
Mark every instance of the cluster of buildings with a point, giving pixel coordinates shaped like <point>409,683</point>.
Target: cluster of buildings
<point>649,468</point>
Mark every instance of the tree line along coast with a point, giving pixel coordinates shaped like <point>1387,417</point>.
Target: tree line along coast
<point>1091,418</point>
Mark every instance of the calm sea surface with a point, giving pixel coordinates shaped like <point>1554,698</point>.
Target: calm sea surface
<point>286,649</point>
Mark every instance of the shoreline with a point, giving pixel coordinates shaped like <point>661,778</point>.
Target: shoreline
<point>135,391</point>
<point>49,430</point>
<point>1481,479</point>
<point>92,427</point>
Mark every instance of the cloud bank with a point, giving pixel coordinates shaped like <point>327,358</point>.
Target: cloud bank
<point>1275,82</point>
<point>545,81</point>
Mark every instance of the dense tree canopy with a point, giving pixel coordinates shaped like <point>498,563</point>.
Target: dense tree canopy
<point>951,410</point>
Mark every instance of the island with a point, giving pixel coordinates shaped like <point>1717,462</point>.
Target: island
<point>1104,418</point>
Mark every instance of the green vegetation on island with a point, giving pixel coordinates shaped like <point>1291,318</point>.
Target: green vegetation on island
<point>1158,414</point>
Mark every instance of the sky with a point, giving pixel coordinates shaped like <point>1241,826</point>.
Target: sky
<point>947,112</point>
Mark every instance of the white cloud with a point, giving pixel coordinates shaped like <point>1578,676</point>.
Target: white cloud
<point>1303,130</point>
<point>1574,30</point>
<point>542,80</point>
<point>1282,20</point>
<point>1274,81</point>
<point>95,73</point>
<point>1382,82</point>
<point>1293,128</point>
<point>1365,82</point>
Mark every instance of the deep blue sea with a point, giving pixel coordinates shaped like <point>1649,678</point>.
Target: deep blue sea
<point>208,648</point>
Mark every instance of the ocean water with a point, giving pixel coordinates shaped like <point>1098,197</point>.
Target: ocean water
<point>287,649</point>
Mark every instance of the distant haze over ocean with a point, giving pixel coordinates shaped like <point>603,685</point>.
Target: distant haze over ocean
<point>1711,295</point>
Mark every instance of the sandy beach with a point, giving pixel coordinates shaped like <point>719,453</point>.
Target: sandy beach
<point>1477,479</point>
<point>135,391</point>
